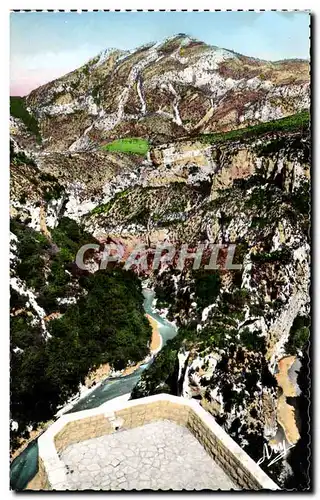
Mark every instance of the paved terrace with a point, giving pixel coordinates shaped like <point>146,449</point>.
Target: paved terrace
<point>160,456</point>
<point>158,442</point>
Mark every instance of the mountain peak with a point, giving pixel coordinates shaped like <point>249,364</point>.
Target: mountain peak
<point>175,87</point>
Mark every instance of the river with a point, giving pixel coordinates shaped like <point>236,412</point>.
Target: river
<point>24,467</point>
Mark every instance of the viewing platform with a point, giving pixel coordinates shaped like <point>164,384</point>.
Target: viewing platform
<point>159,442</point>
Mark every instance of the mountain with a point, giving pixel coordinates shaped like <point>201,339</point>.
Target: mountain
<point>163,91</point>
<point>224,158</point>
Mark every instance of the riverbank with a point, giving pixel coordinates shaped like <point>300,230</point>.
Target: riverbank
<point>96,375</point>
<point>156,340</point>
<point>286,412</point>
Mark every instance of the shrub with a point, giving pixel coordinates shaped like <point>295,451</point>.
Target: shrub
<point>299,335</point>
<point>18,110</point>
<point>299,121</point>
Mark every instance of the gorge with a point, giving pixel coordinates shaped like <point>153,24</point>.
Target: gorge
<point>225,161</point>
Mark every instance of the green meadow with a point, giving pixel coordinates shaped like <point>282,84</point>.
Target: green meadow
<point>129,145</point>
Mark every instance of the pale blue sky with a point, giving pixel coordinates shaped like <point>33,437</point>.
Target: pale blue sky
<point>47,45</point>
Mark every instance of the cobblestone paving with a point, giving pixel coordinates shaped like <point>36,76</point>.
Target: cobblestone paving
<point>159,456</point>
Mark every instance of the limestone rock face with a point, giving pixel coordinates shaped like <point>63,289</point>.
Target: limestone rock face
<point>163,91</point>
<point>241,165</point>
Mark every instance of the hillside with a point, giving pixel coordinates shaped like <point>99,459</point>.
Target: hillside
<point>162,91</point>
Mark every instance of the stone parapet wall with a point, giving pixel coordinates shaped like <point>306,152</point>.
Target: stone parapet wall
<point>121,414</point>
<point>127,418</point>
<point>82,429</point>
<point>142,414</point>
<point>224,451</point>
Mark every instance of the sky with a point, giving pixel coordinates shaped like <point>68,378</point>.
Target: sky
<point>46,45</point>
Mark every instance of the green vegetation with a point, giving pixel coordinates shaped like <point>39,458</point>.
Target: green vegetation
<point>283,255</point>
<point>299,335</point>
<point>53,190</point>
<point>106,324</point>
<point>86,69</point>
<point>129,145</point>
<point>20,158</point>
<point>165,291</point>
<point>301,199</point>
<point>67,238</point>
<point>299,121</point>
<point>207,287</point>
<point>105,207</point>
<point>43,264</point>
<point>259,222</point>
<point>161,376</point>
<point>253,340</point>
<point>292,146</point>
<point>96,94</point>
<point>30,252</point>
<point>18,110</point>
<point>268,203</point>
